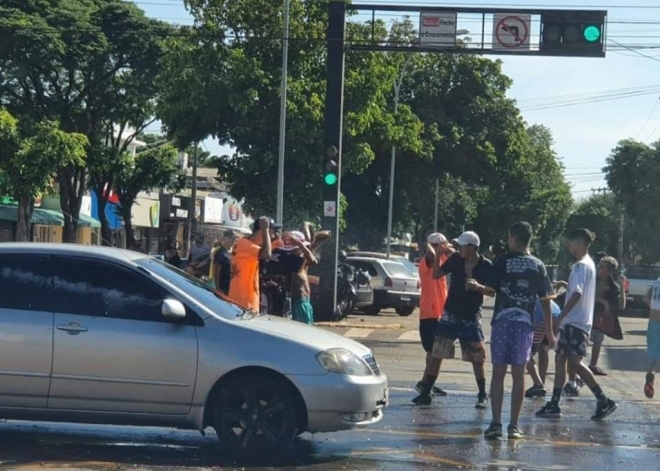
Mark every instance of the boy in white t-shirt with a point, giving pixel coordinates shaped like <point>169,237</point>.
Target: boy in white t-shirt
<point>652,299</point>
<point>574,324</point>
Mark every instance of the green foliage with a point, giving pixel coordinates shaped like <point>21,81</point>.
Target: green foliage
<point>632,173</point>
<point>88,64</point>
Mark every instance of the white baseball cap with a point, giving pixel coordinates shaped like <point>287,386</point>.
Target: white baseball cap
<point>436,238</point>
<point>469,238</point>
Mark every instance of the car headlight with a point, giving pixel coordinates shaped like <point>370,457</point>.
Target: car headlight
<point>343,362</point>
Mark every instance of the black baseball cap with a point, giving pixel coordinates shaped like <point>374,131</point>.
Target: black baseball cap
<point>273,225</point>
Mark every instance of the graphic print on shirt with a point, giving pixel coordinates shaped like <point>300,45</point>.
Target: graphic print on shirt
<point>522,280</point>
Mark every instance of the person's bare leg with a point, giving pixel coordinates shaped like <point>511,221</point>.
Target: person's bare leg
<point>517,393</point>
<point>572,375</point>
<point>595,354</point>
<point>588,378</point>
<point>544,362</point>
<point>560,371</point>
<point>431,372</point>
<point>497,392</point>
<point>533,372</point>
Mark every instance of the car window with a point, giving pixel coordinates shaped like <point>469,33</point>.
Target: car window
<point>643,273</point>
<point>102,289</point>
<point>25,282</point>
<point>366,266</point>
<point>396,269</point>
<point>201,292</point>
<point>408,264</point>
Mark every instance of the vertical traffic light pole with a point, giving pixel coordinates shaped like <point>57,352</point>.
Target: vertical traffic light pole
<point>334,105</point>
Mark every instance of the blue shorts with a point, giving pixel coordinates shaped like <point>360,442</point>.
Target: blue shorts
<point>653,341</point>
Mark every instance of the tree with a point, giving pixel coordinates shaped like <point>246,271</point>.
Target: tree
<point>225,82</point>
<point>88,64</point>
<point>151,169</point>
<point>632,173</point>
<point>29,160</point>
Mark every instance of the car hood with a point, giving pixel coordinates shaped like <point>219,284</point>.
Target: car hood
<point>313,337</point>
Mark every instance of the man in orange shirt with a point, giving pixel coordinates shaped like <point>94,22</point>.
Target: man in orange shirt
<point>244,286</point>
<point>433,296</point>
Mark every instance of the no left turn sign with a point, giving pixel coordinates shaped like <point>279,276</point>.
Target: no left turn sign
<point>511,31</point>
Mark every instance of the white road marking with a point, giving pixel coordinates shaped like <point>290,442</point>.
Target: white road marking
<point>358,333</point>
<point>410,336</point>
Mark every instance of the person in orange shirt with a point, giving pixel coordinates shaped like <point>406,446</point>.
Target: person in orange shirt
<point>433,296</point>
<point>244,286</point>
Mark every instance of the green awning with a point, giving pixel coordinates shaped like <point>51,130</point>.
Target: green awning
<point>87,221</point>
<point>47,217</point>
<point>8,213</point>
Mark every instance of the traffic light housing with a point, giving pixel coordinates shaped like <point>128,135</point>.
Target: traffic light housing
<point>573,33</point>
<point>330,167</point>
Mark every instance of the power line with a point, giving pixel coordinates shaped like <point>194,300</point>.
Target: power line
<point>655,105</point>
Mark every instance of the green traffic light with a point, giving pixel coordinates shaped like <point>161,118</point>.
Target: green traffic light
<point>330,178</point>
<point>592,34</point>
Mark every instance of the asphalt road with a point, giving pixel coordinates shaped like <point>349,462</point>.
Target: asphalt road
<point>445,435</point>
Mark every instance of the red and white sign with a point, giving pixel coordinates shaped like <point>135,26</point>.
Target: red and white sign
<point>511,32</point>
<point>330,209</point>
<point>437,29</point>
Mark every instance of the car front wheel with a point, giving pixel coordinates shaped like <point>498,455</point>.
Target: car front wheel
<point>255,414</point>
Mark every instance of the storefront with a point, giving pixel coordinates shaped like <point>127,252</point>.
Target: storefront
<point>145,216</point>
<point>115,221</point>
<point>89,228</point>
<point>174,210</point>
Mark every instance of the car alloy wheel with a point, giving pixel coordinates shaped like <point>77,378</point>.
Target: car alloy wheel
<point>254,413</point>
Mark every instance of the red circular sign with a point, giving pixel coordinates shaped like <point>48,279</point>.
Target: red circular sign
<point>504,27</point>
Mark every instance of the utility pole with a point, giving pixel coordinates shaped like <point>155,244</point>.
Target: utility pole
<point>437,202</point>
<point>193,200</point>
<point>280,162</point>
<point>621,227</point>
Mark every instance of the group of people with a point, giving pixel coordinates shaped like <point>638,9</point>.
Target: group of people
<point>528,318</point>
<point>235,264</point>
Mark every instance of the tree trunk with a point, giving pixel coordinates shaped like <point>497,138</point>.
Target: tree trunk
<point>72,187</point>
<point>125,210</point>
<point>24,218</point>
<point>106,232</point>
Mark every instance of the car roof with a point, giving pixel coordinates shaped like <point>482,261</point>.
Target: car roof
<point>374,255</point>
<point>93,251</point>
<point>373,259</point>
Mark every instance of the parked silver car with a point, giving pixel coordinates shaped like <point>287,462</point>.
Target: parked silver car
<point>108,336</point>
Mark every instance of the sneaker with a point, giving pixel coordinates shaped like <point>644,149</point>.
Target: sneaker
<point>649,390</point>
<point>571,391</point>
<point>597,371</point>
<point>493,431</point>
<point>550,411</point>
<point>580,382</point>
<point>423,400</point>
<point>604,410</point>
<point>419,387</point>
<point>538,390</point>
<point>514,432</point>
<point>482,401</point>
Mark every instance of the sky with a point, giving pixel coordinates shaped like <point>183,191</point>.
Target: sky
<point>590,104</point>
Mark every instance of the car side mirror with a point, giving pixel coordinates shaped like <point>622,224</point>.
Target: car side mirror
<point>173,309</point>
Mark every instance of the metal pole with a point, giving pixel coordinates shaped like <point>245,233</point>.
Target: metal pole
<point>437,203</point>
<point>280,162</point>
<point>621,227</point>
<point>193,199</point>
<point>333,114</point>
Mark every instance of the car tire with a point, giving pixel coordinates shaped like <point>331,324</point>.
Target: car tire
<point>405,311</point>
<point>253,414</point>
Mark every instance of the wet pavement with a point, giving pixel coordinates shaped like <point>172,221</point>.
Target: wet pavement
<point>447,435</point>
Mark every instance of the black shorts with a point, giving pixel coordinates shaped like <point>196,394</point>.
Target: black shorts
<point>427,329</point>
<point>572,341</point>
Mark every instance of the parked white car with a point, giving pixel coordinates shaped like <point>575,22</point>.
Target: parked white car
<point>108,336</point>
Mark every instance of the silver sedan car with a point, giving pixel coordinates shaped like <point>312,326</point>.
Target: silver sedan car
<point>108,336</point>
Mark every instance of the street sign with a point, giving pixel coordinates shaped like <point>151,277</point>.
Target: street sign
<point>329,209</point>
<point>511,32</point>
<point>437,29</point>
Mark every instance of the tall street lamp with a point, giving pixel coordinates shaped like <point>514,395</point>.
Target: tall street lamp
<point>397,88</point>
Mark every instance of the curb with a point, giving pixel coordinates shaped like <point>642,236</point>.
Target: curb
<point>359,326</point>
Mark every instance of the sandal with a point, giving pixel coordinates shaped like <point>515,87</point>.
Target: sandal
<point>648,387</point>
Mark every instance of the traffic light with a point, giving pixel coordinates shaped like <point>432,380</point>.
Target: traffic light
<point>330,166</point>
<point>573,33</point>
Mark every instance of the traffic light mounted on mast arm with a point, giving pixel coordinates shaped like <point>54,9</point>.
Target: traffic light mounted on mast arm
<point>573,33</point>
<point>330,166</point>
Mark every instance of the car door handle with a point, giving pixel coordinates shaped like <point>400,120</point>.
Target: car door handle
<point>72,327</point>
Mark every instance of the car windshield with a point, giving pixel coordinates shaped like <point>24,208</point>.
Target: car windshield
<point>396,270</point>
<point>195,288</point>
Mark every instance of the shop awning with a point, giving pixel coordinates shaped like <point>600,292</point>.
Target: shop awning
<point>88,221</point>
<point>39,216</point>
